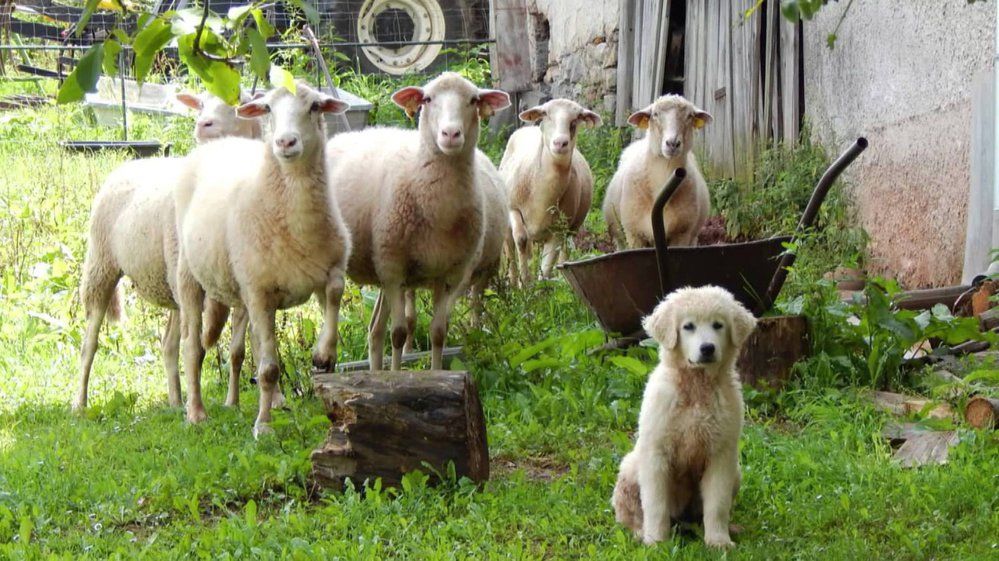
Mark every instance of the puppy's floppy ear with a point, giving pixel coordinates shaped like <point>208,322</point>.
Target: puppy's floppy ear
<point>743,323</point>
<point>661,324</point>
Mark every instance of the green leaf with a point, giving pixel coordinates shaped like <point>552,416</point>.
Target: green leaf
<point>260,60</point>
<point>281,78</point>
<point>88,10</point>
<point>147,43</point>
<point>84,77</point>
<point>310,12</point>
<point>24,532</point>
<point>110,62</point>
<point>991,376</point>
<point>831,40</point>
<point>631,364</point>
<point>219,78</point>
<point>263,26</point>
<point>251,513</point>
<point>238,12</point>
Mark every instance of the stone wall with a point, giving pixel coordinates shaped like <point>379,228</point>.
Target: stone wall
<point>903,76</point>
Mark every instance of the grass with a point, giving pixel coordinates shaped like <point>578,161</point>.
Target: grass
<point>132,480</point>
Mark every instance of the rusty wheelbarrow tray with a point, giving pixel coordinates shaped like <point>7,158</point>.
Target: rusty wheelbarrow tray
<point>623,287</point>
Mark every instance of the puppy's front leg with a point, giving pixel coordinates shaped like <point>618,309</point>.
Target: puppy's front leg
<point>717,483</point>
<point>653,485</point>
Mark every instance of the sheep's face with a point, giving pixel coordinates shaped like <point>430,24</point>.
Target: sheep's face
<point>450,108</point>
<point>671,122</point>
<point>215,119</point>
<point>296,121</point>
<point>560,119</point>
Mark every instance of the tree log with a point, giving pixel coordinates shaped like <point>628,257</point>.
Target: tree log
<point>982,412</point>
<point>386,424</point>
<point>772,349</point>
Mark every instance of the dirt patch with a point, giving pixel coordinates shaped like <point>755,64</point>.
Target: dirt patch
<point>714,232</point>
<point>537,469</point>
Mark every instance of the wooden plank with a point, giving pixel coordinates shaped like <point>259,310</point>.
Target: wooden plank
<point>510,55</point>
<point>981,194</point>
<point>929,448</point>
<point>790,37</point>
<point>625,62</point>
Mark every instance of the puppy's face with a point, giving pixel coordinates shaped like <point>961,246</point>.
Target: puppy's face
<point>700,326</point>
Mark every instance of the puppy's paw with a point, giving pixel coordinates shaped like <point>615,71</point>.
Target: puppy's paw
<point>719,541</point>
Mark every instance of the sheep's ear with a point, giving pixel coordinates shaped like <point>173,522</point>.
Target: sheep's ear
<point>491,101</point>
<point>661,324</point>
<point>410,99</point>
<point>190,100</point>
<point>742,324</point>
<point>702,118</point>
<point>590,118</point>
<point>329,104</point>
<point>253,109</point>
<point>640,119</point>
<point>532,115</point>
<point>246,97</point>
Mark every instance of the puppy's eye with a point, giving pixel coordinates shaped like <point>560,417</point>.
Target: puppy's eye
<point>473,101</point>
<point>314,107</point>
<point>688,326</point>
<point>717,325</point>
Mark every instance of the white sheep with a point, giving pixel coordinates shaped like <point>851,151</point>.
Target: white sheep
<point>645,167</point>
<point>415,204</point>
<point>259,227</point>
<point>548,180</point>
<point>132,233</point>
<point>496,230</point>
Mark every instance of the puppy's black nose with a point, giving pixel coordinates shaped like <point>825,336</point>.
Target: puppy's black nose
<point>707,350</point>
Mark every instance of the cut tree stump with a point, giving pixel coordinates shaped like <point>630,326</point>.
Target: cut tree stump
<point>982,412</point>
<point>773,348</point>
<point>899,404</point>
<point>386,424</point>
<point>931,447</point>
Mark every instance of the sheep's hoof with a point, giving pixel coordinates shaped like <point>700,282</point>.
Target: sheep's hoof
<point>278,401</point>
<point>321,363</point>
<point>79,407</point>
<point>196,415</point>
<point>260,429</point>
<point>231,402</point>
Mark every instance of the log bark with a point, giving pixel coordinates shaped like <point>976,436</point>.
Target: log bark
<point>982,412</point>
<point>386,424</point>
<point>772,349</point>
<point>981,300</point>
<point>925,299</point>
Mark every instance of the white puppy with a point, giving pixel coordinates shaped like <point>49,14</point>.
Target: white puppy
<point>686,459</point>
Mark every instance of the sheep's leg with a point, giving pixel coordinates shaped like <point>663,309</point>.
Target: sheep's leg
<point>376,334</point>
<point>478,289</point>
<point>324,358</point>
<point>237,352</point>
<point>192,302</point>
<point>410,321</point>
<point>444,298</point>
<point>523,241</point>
<point>510,254</point>
<point>549,255</point>
<point>268,369</point>
<point>395,296</point>
<point>97,296</point>
<point>171,351</point>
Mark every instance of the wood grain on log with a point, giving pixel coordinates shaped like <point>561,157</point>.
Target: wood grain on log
<point>931,447</point>
<point>982,412</point>
<point>386,424</point>
<point>771,351</point>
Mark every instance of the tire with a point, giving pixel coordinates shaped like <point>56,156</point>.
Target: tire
<point>368,21</point>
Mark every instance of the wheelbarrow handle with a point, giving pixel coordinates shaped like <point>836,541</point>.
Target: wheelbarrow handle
<point>659,226</point>
<point>810,214</point>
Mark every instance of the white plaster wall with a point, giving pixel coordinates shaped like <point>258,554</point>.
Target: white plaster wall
<point>901,73</point>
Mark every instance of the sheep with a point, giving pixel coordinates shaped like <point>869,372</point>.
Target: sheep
<point>258,226</point>
<point>415,204</point>
<point>132,234</point>
<point>496,230</point>
<point>548,180</point>
<point>645,167</point>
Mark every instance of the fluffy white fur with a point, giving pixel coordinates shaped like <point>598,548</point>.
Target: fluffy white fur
<point>415,204</point>
<point>259,227</point>
<point>686,458</point>
<point>133,234</point>
<point>646,165</point>
<point>548,181</point>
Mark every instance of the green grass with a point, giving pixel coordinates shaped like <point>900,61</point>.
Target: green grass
<point>132,480</point>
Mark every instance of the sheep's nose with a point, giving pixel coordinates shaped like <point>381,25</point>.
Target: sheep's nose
<point>287,141</point>
<point>560,143</point>
<point>206,123</point>
<point>673,145</point>
<point>451,133</point>
<point>708,350</point>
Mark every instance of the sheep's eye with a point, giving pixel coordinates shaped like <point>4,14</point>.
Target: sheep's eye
<point>717,325</point>
<point>688,326</point>
<point>426,100</point>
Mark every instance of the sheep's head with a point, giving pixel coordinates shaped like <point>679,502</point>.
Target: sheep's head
<point>216,118</point>
<point>296,122</point>
<point>450,108</point>
<point>671,121</point>
<point>560,118</point>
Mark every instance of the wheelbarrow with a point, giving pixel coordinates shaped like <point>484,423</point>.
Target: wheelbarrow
<point>621,288</point>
